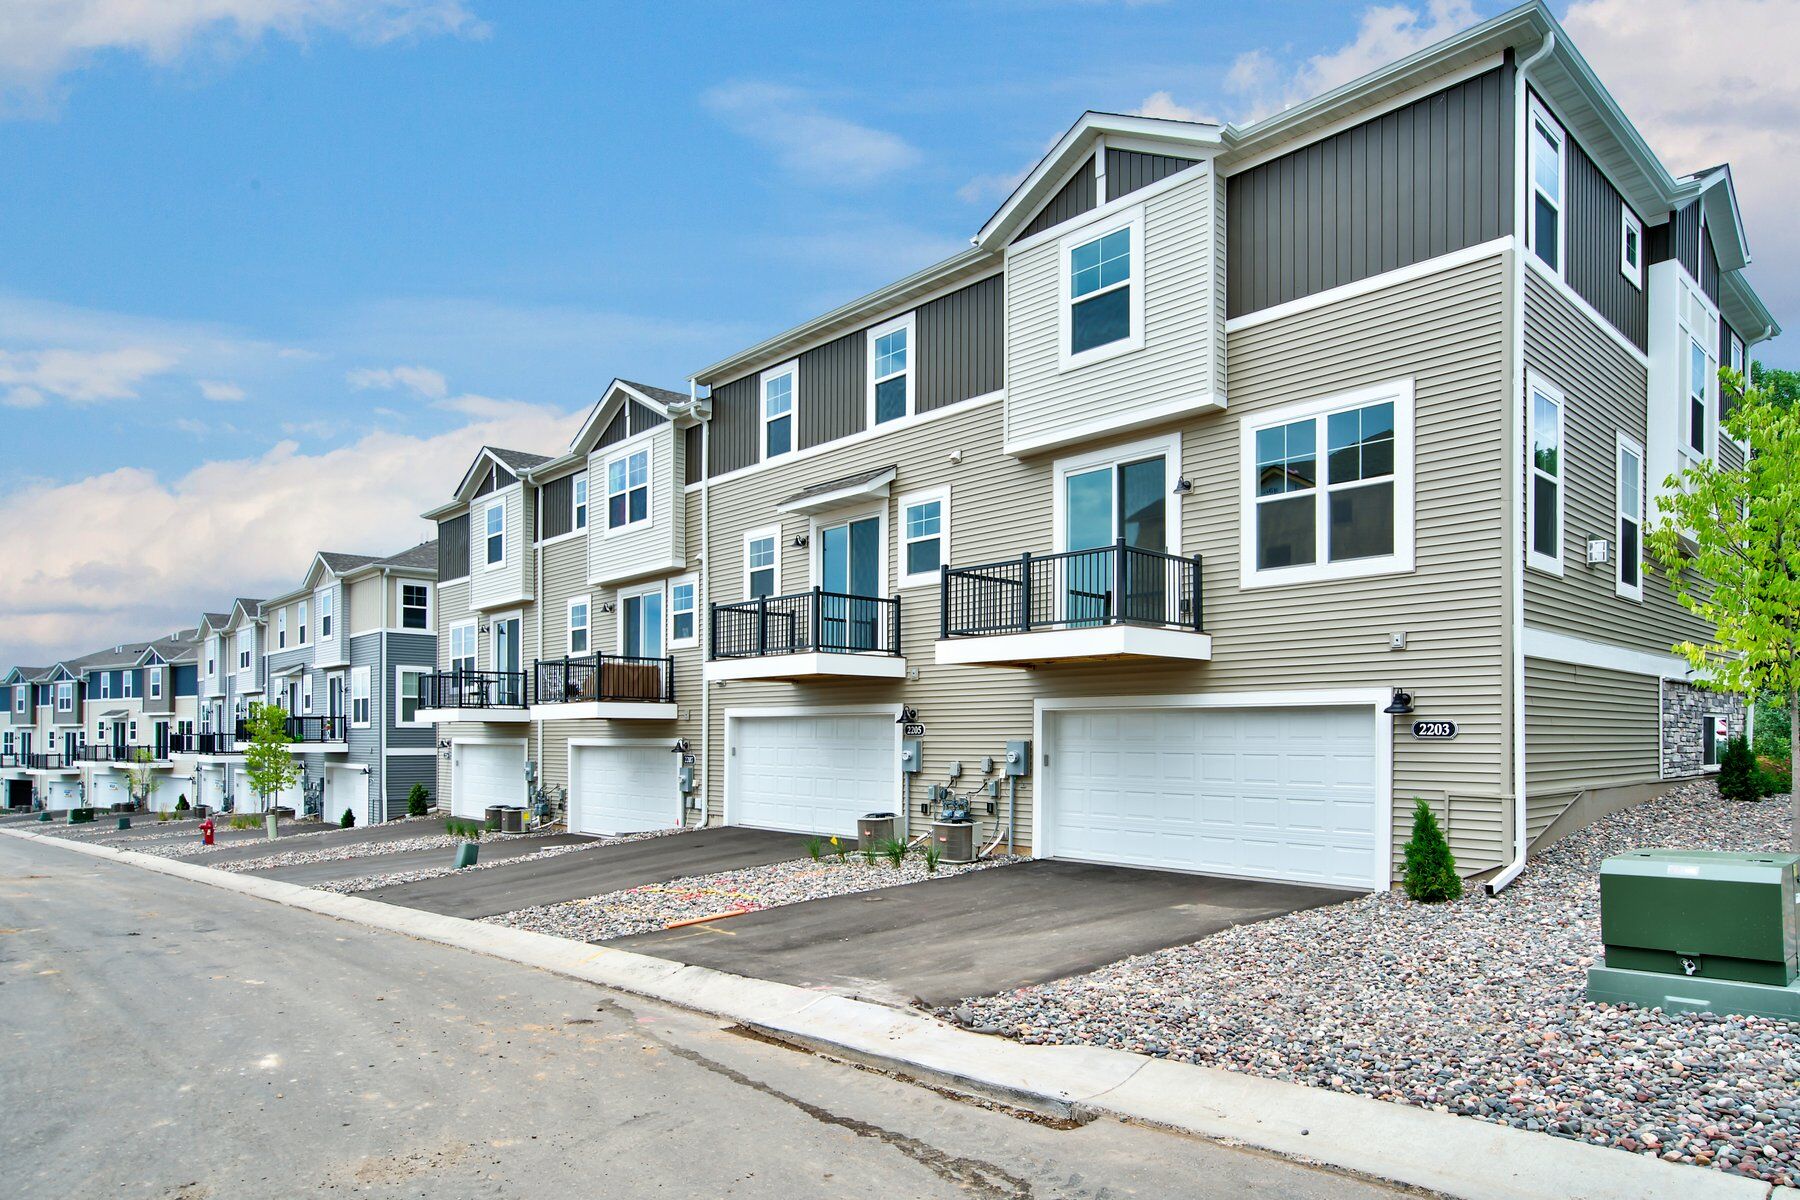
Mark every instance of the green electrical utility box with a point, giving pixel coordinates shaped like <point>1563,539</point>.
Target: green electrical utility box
<point>1700,930</point>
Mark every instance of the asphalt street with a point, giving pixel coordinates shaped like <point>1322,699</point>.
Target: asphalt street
<point>169,1040</point>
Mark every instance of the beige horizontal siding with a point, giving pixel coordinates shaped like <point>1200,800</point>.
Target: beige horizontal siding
<point>1586,728</point>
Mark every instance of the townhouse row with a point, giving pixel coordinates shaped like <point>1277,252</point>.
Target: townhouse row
<point>343,654</point>
<point>1235,487</point>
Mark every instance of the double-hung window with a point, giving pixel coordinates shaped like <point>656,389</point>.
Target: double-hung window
<point>281,629</point>
<point>415,606</point>
<point>762,562</point>
<point>1631,247</point>
<point>1328,488</point>
<point>324,614</point>
<point>580,608</point>
<point>890,370</point>
<point>924,536</point>
<point>462,648</point>
<point>245,640</point>
<point>1102,291</point>
<point>305,612</point>
<point>1630,511</point>
<point>778,388</point>
<point>306,693</point>
<point>65,697</point>
<point>628,490</point>
<point>128,684</point>
<point>683,612</point>
<point>156,682</point>
<point>494,522</point>
<point>1545,218</point>
<point>106,685</point>
<point>1543,497</point>
<point>406,694</point>
<point>359,697</point>
<point>580,489</point>
<point>1697,437</point>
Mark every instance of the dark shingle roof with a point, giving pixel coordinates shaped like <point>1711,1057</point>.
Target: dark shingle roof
<point>837,485</point>
<point>518,460</point>
<point>661,395</point>
<point>422,555</point>
<point>340,563</point>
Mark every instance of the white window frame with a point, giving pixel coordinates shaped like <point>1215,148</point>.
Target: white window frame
<point>359,679</point>
<point>1629,224</point>
<point>325,612</point>
<point>106,685</point>
<point>578,501</point>
<point>941,495</point>
<point>281,629</point>
<point>400,675</point>
<point>1537,112</point>
<point>306,693</point>
<point>488,535</point>
<point>131,732</point>
<point>649,518</point>
<point>791,369</point>
<point>1714,721</point>
<point>1740,356</point>
<point>586,604</point>
<point>1709,401</point>
<point>630,593</point>
<point>752,535</point>
<point>1536,385</point>
<point>246,648</point>
<point>402,606</point>
<point>871,380</point>
<point>127,684</point>
<point>1621,446</point>
<point>155,680</point>
<point>304,610</point>
<point>693,582</point>
<point>1132,219</point>
<point>815,566</point>
<point>65,697</point>
<point>466,632</point>
<point>1398,392</point>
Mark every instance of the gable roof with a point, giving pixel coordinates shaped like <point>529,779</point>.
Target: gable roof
<point>339,563</point>
<point>420,557</point>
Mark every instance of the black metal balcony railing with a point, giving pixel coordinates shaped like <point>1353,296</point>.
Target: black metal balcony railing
<point>8,760</point>
<point>201,743</point>
<point>106,753</point>
<point>1108,585</point>
<point>804,622</point>
<point>306,730</point>
<point>604,677</point>
<point>474,689</point>
<point>53,761</point>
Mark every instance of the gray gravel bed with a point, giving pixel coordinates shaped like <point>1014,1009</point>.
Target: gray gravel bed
<point>196,847</point>
<point>1475,1008</point>
<point>368,883</point>
<point>657,905</point>
<point>289,858</point>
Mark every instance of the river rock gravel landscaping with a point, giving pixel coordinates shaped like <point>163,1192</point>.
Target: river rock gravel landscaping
<point>655,906</point>
<point>1476,1008</point>
<point>291,858</point>
<point>368,883</point>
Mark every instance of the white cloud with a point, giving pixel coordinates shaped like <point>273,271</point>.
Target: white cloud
<point>423,380</point>
<point>807,140</point>
<point>1682,72</point>
<point>1163,105</point>
<point>129,554</point>
<point>41,40</point>
<point>221,391</point>
<point>79,376</point>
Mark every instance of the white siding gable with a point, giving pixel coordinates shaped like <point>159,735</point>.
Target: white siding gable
<point>652,547</point>
<point>509,581</point>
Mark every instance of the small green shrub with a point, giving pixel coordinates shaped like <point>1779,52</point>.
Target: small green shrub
<point>870,854</point>
<point>1773,776</point>
<point>418,801</point>
<point>1430,867</point>
<point>181,804</point>
<point>894,851</point>
<point>1737,771</point>
<point>933,855</point>
<point>347,820</point>
<point>815,848</point>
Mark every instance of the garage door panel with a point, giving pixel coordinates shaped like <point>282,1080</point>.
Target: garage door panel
<point>623,789</point>
<point>486,773</point>
<point>811,774</point>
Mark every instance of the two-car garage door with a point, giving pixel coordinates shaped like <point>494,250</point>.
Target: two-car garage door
<point>812,773</point>
<point>1271,793</point>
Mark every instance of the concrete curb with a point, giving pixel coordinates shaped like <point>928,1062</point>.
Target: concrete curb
<point>1453,1156</point>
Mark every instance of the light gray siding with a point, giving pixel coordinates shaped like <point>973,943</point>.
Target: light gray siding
<point>637,551</point>
<point>511,581</point>
<point>1423,180</point>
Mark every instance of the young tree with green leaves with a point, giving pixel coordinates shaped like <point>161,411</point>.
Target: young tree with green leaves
<point>140,777</point>
<point>1729,544</point>
<point>268,763</point>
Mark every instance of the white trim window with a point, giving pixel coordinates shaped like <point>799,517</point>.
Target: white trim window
<point>359,697</point>
<point>1629,508</point>
<point>415,605</point>
<point>128,684</point>
<point>304,612</point>
<point>684,612</point>
<point>579,488</point>
<point>780,389</point>
<point>1697,439</point>
<point>462,648</point>
<point>246,642</point>
<point>155,677</point>
<point>1101,312</point>
<point>1328,488</point>
<point>762,562</point>
<point>1715,733</point>
<point>1547,173</point>
<point>1735,348</point>
<point>65,697</point>
<point>406,696</point>
<point>1544,479</point>
<point>924,536</point>
<point>1631,247</point>
<point>581,610</point>
<point>281,629</point>
<point>628,489</point>
<point>641,630</point>
<point>306,693</point>
<point>324,599</point>
<point>890,371</point>
<point>106,685</point>
<point>493,523</point>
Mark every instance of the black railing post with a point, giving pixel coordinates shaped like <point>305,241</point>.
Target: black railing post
<point>1025,592</point>
<point>762,625</point>
<point>1199,606</point>
<point>894,625</point>
<point>943,602</point>
<point>1118,596</point>
<point>815,619</point>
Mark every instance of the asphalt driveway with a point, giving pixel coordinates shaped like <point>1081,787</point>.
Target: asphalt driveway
<point>592,872</point>
<point>254,843</point>
<point>492,850</point>
<point>976,934</point>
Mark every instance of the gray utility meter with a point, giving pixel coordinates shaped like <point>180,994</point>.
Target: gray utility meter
<point>1018,758</point>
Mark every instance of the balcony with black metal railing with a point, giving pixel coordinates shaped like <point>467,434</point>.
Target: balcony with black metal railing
<point>1106,603</point>
<point>53,760</point>
<point>205,744</point>
<point>469,695</point>
<point>305,733</point>
<point>807,635</point>
<point>609,686</point>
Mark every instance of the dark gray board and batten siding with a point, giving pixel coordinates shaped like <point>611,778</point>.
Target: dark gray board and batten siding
<point>1426,179</point>
<point>1071,200</point>
<point>833,390</point>
<point>1129,170</point>
<point>556,507</point>
<point>616,431</point>
<point>643,418</point>
<point>453,548</point>
<point>1594,218</point>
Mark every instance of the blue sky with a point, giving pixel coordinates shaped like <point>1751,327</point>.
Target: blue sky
<point>312,240</point>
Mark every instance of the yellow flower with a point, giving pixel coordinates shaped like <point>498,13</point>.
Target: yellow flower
<point>834,841</point>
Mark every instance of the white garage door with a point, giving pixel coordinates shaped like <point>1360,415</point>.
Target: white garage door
<point>212,789</point>
<point>62,795</point>
<point>1274,793</point>
<point>623,789</point>
<point>484,773</point>
<point>811,774</point>
<point>346,789</point>
<point>106,789</point>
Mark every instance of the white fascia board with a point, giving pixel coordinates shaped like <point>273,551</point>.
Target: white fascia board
<point>1551,646</point>
<point>808,666</point>
<point>451,716</point>
<point>605,710</point>
<point>1106,641</point>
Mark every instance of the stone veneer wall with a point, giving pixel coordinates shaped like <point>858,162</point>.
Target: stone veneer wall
<point>1684,707</point>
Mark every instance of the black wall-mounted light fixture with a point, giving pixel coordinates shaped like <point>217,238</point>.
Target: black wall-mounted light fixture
<point>1183,486</point>
<point>801,541</point>
<point>1400,705</point>
<point>907,715</point>
<point>607,606</point>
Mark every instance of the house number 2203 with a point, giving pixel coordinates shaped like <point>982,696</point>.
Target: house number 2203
<point>1438,730</point>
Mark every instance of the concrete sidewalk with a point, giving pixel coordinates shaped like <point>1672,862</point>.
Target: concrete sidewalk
<point>1453,1156</point>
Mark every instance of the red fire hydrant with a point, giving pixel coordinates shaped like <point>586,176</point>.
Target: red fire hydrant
<point>206,831</point>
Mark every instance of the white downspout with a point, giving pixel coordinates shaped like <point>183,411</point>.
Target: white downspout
<point>703,609</point>
<point>1515,465</point>
<point>537,605</point>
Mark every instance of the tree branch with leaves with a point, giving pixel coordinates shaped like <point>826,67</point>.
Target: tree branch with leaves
<point>1729,545</point>
<point>268,763</point>
<point>140,776</point>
